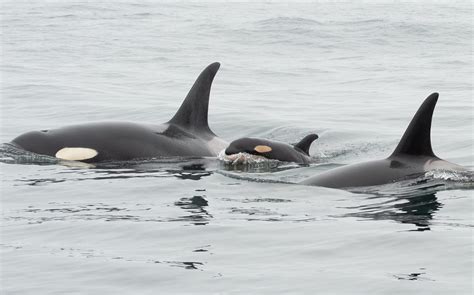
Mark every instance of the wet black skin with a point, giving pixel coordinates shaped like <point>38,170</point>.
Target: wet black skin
<point>376,172</point>
<point>281,151</point>
<point>412,158</point>
<point>186,134</point>
<point>118,141</point>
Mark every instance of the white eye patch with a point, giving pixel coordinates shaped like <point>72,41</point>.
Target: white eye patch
<point>262,149</point>
<point>76,153</point>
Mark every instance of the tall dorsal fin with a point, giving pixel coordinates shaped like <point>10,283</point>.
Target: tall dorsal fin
<point>417,138</point>
<point>192,114</point>
<point>306,142</point>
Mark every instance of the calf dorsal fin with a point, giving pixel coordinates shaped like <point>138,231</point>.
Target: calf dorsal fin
<point>192,115</point>
<point>306,142</point>
<point>416,140</point>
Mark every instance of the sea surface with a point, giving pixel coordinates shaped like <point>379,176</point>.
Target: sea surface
<point>354,73</point>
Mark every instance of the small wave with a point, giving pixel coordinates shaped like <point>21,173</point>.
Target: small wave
<point>142,15</point>
<point>63,16</point>
<point>251,178</point>
<point>285,21</point>
<point>290,30</point>
<point>354,151</point>
<point>91,7</point>
<point>362,22</point>
<point>95,254</point>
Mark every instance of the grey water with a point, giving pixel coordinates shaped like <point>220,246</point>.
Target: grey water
<point>354,73</point>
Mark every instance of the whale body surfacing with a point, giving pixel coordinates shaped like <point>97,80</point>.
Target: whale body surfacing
<point>187,134</point>
<point>411,158</point>
<point>272,149</point>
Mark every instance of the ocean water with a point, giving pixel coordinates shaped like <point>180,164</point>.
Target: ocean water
<point>353,73</point>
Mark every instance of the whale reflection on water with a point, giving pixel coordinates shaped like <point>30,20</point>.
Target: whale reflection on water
<point>418,210</point>
<point>186,169</point>
<point>412,201</point>
<point>194,206</point>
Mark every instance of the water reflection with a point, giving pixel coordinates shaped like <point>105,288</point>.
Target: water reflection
<point>189,169</point>
<point>194,171</point>
<point>414,276</point>
<point>195,206</point>
<point>416,209</point>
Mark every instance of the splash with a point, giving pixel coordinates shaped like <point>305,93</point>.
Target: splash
<point>10,154</point>
<point>242,159</point>
<point>450,175</point>
<point>428,182</point>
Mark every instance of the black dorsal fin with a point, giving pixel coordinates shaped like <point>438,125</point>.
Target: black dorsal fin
<point>417,138</point>
<point>306,142</point>
<point>192,114</point>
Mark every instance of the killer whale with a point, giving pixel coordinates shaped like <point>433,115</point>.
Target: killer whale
<point>271,149</point>
<point>187,134</point>
<point>411,158</point>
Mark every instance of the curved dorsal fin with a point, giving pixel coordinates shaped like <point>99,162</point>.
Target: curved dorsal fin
<point>306,142</point>
<point>417,138</point>
<point>192,114</point>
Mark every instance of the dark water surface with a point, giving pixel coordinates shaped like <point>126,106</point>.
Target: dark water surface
<point>354,74</point>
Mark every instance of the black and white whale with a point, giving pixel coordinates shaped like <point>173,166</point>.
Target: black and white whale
<point>187,134</point>
<point>412,158</point>
<point>275,150</point>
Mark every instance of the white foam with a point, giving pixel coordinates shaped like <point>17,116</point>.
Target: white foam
<point>451,175</point>
<point>241,158</point>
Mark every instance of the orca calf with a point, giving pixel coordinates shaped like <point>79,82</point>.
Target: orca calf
<point>276,150</point>
<point>186,134</point>
<point>412,157</point>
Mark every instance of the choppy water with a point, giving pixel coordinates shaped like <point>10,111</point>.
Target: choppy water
<point>355,74</point>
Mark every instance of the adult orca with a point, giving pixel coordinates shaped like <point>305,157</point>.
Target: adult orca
<point>276,150</point>
<point>412,157</point>
<point>187,134</point>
